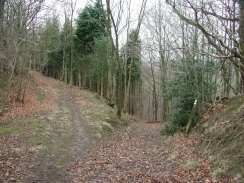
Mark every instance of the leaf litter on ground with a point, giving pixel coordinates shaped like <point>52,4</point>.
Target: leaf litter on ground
<point>136,153</point>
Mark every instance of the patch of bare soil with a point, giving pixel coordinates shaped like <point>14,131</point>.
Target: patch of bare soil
<point>37,147</point>
<point>66,142</point>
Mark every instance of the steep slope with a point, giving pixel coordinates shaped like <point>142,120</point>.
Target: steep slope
<point>222,139</point>
<point>52,127</point>
<point>64,134</point>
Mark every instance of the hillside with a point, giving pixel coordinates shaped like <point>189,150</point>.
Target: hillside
<point>44,132</point>
<point>222,139</point>
<point>64,134</point>
<point>114,81</point>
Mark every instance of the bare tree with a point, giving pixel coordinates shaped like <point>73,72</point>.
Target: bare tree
<point>157,31</point>
<point>216,33</point>
<point>2,3</point>
<point>134,52</point>
<point>115,45</point>
<point>18,24</point>
<point>72,8</point>
<point>66,36</point>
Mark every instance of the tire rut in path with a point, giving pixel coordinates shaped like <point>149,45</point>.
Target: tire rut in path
<point>80,141</point>
<point>61,147</point>
<point>79,144</point>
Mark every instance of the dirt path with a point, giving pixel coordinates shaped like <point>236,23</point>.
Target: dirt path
<point>68,138</point>
<point>67,142</point>
<point>131,155</point>
<point>140,154</point>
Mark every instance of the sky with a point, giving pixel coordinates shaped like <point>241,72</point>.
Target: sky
<point>80,4</point>
<point>55,7</point>
<point>58,9</point>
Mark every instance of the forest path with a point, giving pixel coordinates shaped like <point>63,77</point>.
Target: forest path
<point>61,145</point>
<point>68,139</point>
<point>139,153</point>
<point>134,154</point>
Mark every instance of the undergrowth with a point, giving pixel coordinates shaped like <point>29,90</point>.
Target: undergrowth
<point>222,140</point>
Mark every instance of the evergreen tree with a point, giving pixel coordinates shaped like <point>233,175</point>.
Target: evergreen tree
<point>53,55</point>
<point>184,88</point>
<point>99,66</point>
<point>89,25</point>
<point>131,56</point>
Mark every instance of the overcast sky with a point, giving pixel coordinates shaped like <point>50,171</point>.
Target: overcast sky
<point>80,4</point>
<point>135,4</point>
<point>56,8</point>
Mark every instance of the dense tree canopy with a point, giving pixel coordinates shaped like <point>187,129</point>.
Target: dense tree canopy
<point>152,63</point>
<point>90,24</point>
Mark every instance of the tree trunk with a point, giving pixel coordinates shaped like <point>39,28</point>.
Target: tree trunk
<point>2,55</point>
<point>110,80</point>
<point>79,76</point>
<point>71,42</point>
<point>127,90</point>
<point>102,86</point>
<point>241,35</point>
<point>241,26</point>
<point>193,112</point>
<point>154,93</point>
<point>71,55</point>
<point>64,63</point>
<point>119,91</point>
<point>2,2</point>
<point>64,71</point>
<point>242,83</point>
<point>84,73</point>
<point>116,50</point>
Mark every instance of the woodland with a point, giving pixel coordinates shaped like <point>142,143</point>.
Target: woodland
<point>152,62</point>
<point>169,63</point>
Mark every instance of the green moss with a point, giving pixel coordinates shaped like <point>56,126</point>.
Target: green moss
<point>104,114</point>
<point>62,153</point>
<point>61,161</point>
<point>106,129</point>
<point>217,174</point>
<point>5,123</point>
<point>5,131</point>
<point>63,149</point>
<point>98,131</point>
<point>31,128</point>
<point>190,165</point>
<point>41,95</point>
<point>37,139</point>
<point>18,126</point>
<point>90,96</point>
<point>173,155</point>
<point>42,151</point>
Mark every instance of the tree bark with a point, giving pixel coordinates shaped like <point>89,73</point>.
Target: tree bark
<point>241,35</point>
<point>71,41</point>
<point>2,2</point>
<point>193,112</point>
<point>116,49</point>
<point>64,71</point>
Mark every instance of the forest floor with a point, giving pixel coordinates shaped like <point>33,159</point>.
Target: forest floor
<point>64,134</point>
